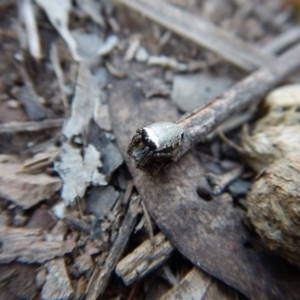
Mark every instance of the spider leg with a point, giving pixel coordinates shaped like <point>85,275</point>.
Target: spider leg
<point>135,142</point>
<point>145,157</point>
<point>160,156</point>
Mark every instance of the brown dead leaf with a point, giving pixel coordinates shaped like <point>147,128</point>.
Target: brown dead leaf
<point>210,234</point>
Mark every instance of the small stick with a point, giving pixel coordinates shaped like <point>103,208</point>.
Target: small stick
<point>148,222</point>
<point>14,127</point>
<point>231,124</point>
<point>219,182</point>
<point>128,192</point>
<point>281,42</point>
<point>198,124</point>
<point>77,224</point>
<point>98,286</point>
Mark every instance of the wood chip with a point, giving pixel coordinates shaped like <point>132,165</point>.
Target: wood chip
<point>28,245</point>
<point>17,281</point>
<point>23,189</point>
<point>58,285</point>
<point>198,285</point>
<point>144,259</point>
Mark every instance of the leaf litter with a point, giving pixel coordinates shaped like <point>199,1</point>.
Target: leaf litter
<point>97,205</point>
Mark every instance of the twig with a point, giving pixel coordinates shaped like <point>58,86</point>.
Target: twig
<point>101,281</point>
<point>204,120</point>
<point>77,224</point>
<point>144,259</point>
<point>232,123</point>
<point>59,75</point>
<point>27,12</point>
<point>13,127</point>
<point>284,40</point>
<point>128,192</point>
<point>218,182</point>
<point>230,143</point>
<point>201,33</point>
<point>148,222</point>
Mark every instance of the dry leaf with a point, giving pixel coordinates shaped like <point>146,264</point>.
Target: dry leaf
<point>78,171</point>
<point>209,233</point>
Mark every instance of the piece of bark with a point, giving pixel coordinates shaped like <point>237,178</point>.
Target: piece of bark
<point>23,189</point>
<point>83,264</point>
<point>210,234</point>
<point>98,286</point>
<point>29,245</point>
<point>198,285</point>
<point>17,281</point>
<point>144,259</point>
<point>57,285</point>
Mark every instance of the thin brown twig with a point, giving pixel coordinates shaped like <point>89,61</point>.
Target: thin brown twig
<point>198,124</point>
<point>148,222</point>
<point>98,286</point>
<point>14,127</point>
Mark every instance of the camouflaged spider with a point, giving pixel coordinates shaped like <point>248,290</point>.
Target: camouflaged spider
<point>155,143</point>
